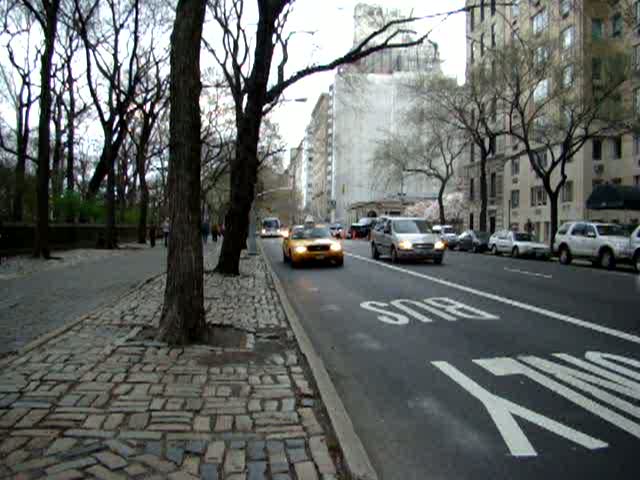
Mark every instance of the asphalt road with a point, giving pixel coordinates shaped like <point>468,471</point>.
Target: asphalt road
<point>35,304</point>
<point>484,367</point>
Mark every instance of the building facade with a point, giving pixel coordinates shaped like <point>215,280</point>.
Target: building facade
<point>318,141</point>
<point>587,32</point>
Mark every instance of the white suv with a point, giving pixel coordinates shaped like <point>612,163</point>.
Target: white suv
<point>635,249</point>
<point>605,244</point>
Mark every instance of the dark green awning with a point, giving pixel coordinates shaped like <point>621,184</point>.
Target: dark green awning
<point>614,197</point>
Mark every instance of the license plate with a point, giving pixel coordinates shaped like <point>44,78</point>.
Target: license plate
<point>320,257</point>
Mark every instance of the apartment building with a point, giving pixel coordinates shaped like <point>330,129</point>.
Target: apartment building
<point>318,138</point>
<point>588,32</point>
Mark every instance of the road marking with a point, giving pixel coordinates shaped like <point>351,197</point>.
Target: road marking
<point>503,411</point>
<point>509,366</point>
<point>524,272</point>
<point>508,301</point>
<point>445,308</point>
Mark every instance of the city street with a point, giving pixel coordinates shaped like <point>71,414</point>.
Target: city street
<point>484,367</point>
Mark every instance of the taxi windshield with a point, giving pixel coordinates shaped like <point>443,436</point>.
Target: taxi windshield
<point>309,233</point>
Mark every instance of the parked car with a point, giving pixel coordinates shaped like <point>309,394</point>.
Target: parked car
<point>520,244</point>
<point>605,244</point>
<point>406,238</point>
<point>473,241</point>
<point>362,228</point>
<point>634,250</point>
<point>448,235</point>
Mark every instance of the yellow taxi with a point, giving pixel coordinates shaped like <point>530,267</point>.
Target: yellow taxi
<point>311,243</point>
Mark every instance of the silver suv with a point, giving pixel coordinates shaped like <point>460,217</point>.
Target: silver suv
<point>605,244</point>
<point>406,238</point>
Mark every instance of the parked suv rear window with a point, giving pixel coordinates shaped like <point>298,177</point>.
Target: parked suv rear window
<point>564,229</point>
<point>522,237</point>
<point>410,226</point>
<point>607,230</point>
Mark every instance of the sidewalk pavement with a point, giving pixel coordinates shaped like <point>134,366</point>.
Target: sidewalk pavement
<point>104,400</point>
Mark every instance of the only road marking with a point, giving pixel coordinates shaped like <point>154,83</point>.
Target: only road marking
<point>524,272</point>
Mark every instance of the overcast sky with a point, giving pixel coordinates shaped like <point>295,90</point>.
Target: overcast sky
<point>332,22</point>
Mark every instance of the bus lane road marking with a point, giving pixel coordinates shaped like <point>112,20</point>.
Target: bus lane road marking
<point>599,375</point>
<point>508,301</point>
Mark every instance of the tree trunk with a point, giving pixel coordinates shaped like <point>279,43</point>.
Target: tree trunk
<point>483,190</point>
<point>21,163</point>
<point>182,319</point>
<point>41,245</point>
<point>443,217</point>
<point>144,211</point>
<point>71,133</point>
<point>110,233</point>
<point>141,157</point>
<point>56,171</point>
<point>553,209</point>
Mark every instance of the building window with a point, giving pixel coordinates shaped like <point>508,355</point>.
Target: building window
<point>471,221</point>
<point>636,101</point>
<point>538,196</point>
<point>567,76</point>
<point>596,69</point>
<point>492,185</point>
<point>636,145</point>
<point>637,8</point>
<point>616,25</point>
<point>472,193</point>
<point>597,29</point>
<point>616,181</point>
<point>565,8</point>
<point>617,147</point>
<point>473,51</point>
<point>472,153</point>
<point>636,180</point>
<point>472,19</point>
<point>541,91</point>
<point>481,10</point>
<point>493,7</point>
<point>567,192</point>
<point>482,44</point>
<point>540,21</point>
<point>541,55</point>
<point>596,152</point>
<point>567,37</point>
<point>515,9</point>
<point>493,36</point>
<point>515,198</point>
<point>515,166</point>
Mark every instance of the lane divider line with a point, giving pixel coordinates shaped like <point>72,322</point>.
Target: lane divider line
<point>524,272</point>
<point>508,301</point>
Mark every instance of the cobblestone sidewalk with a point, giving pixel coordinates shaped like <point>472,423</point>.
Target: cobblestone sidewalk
<point>104,401</point>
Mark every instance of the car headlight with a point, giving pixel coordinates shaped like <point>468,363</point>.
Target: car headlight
<point>285,234</point>
<point>300,249</point>
<point>439,245</point>
<point>335,247</point>
<point>405,245</point>
<point>264,231</point>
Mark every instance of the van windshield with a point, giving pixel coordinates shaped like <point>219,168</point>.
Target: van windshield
<point>271,223</point>
<point>411,226</point>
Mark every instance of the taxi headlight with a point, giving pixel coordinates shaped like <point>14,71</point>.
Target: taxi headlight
<point>300,249</point>
<point>335,247</point>
<point>405,245</point>
<point>439,245</point>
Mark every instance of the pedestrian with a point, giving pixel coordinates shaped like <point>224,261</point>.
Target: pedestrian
<point>166,229</point>
<point>204,229</point>
<point>152,234</point>
<point>214,233</point>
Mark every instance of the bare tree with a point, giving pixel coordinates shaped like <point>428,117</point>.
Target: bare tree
<point>18,92</point>
<point>46,14</point>
<point>150,105</point>
<point>553,108</point>
<point>111,38</point>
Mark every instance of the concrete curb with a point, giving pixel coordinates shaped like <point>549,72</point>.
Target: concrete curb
<point>355,456</point>
<point>32,345</point>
